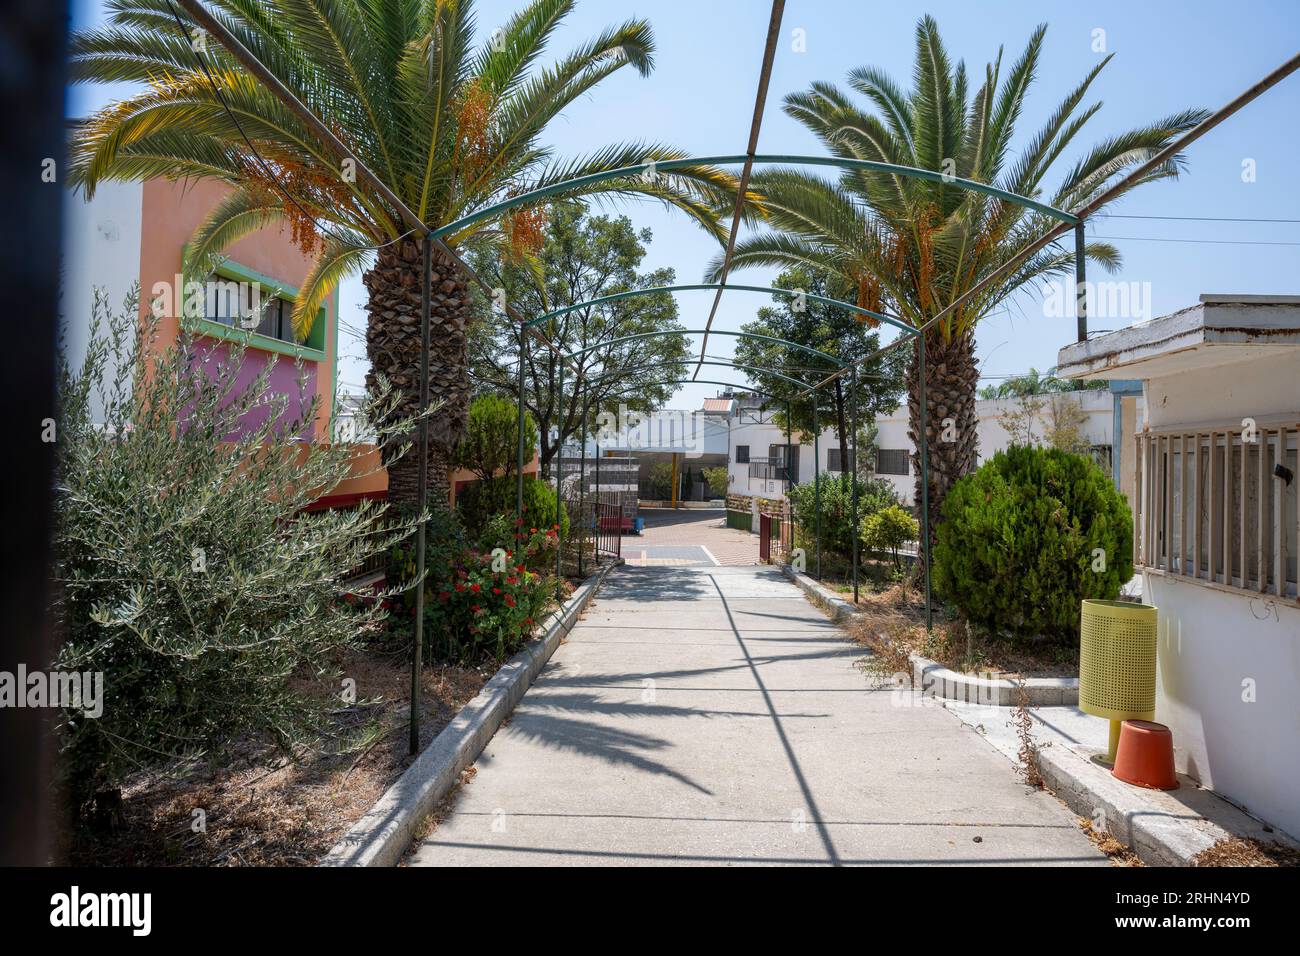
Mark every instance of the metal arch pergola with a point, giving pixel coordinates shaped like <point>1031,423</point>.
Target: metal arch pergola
<point>438,236</point>
<point>1064,221</point>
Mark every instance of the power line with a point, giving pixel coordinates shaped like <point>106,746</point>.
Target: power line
<point>1199,218</point>
<point>1216,242</point>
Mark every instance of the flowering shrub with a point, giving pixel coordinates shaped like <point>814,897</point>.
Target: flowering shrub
<point>484,604</point>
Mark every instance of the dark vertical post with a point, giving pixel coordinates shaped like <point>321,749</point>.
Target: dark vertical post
<point>817,485</point>
<point>600,518</point>
<point>789,472</point>
<point>851,467</point>
<point>421,498</point>
<point>559,477</point>
<point>31,91</point>
<point>1080,282</point>
<point>582,481</point>
<point>925,479</point>
<point>519,475</point>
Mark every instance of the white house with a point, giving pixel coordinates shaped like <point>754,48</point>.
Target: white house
<point>993,415</point>
<point>1214,461</point>
<point>757,452</point>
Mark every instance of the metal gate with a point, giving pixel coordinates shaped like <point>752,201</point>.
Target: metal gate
<point>765,538</point>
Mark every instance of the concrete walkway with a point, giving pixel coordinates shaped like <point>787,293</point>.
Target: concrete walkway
<point>711,715</point>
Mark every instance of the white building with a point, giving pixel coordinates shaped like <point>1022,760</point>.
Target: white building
<point>757,452</point>
<point>1035,416</point>
<point>1214,460</point>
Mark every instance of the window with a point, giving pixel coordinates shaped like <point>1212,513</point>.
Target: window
<point>892,461</point>
<point>835,458</point>
<point>1212,507</point>
<point>742,454</point>
<point>242,306</point>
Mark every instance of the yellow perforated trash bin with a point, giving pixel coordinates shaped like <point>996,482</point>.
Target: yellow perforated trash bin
<point>1117,663</point>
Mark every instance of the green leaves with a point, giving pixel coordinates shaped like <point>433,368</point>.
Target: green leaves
<point>1027,537</point>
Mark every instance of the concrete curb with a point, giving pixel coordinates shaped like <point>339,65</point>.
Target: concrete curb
<point>381,836</point>
<point>823,597</point>
<point>934,680</point>
<point>1163,828</point>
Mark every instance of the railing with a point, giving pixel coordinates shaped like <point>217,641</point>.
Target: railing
<point>1219,505</point>
<point>768,470</point>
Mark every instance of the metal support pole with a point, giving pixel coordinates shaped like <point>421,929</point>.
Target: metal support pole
<point>559,477</point>
<point>422,500</point>
<point>925,482</point>
<point>789,473</point>
<point>817,487</point>
<point>851,468</point>
<point>582,479</point>
<point>1080,282</point>
<point>599,529</point>
<point>519,476</point>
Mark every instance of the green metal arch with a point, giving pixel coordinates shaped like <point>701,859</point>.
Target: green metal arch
<point>744,335</point>
<point>912,172</point>
<point>749,368</point>
<point>706,381</point>
<point>693,287</point>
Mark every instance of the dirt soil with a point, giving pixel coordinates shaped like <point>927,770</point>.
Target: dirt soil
<point>262,809</point>
<point>891,622</point>
<point>1242,851</point>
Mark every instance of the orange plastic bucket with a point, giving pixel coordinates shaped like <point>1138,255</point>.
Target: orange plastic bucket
<point>1145,757</point>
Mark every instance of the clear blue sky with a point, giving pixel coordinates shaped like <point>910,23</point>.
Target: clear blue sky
<point>1194,53</point>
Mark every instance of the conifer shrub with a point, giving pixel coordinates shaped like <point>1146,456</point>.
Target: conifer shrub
<point>1029,536</point>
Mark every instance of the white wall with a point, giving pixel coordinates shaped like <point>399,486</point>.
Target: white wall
<point>759,435</point>
<point>1214,647</point>
<point>101,249</point>
<point>1097,429</point>
<point>1213,641</point>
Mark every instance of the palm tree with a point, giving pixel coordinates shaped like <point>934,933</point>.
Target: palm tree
<point>914,246</point>
<point>449,128</point>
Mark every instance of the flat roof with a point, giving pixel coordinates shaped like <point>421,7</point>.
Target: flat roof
<point>1220,328</point>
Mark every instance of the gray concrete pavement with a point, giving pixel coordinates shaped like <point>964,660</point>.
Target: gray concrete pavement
<point>711,715</point>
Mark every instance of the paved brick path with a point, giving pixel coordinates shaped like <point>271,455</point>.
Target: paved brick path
<point>668,531</point>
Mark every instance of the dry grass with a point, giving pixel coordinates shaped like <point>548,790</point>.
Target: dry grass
<point>1246,851</point>
<point>892,624</point>
<point>1023,721</point>
<point>1121,854</point>
<point>264,809</point>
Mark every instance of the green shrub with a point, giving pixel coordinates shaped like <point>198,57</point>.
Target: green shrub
<point>718,480</point>
<point>490,447</point>
<point>837,529</point>
<point>480,501</point>
<point>889,529</point>
<point>185,569</point>
<point>480,605</point>
<point>1027,537</point>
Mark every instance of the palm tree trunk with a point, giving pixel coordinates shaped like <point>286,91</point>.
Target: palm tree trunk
<point>950,378</point>
<point>393,347</point>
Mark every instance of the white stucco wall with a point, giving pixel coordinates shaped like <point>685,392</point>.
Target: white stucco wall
<point>1217,650</point>
<point>759,436</point>
<point>1216,644</point>
<point>101,249</point>
<point>1098,427</point>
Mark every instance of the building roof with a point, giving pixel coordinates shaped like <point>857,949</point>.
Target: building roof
<point>718,406</point>
<point>1220,328</point>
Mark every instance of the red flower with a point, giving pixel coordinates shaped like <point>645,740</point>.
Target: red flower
<point>510,580</point>
<point>459,586</point>
<point>496,590</point>
<point>534,530</point>
<point>443,597</point>
<point>475,588</point>
<point>475,608</point>
<point>510,602</point>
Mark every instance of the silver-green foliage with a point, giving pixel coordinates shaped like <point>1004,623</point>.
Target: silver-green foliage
<point>187,571</point>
